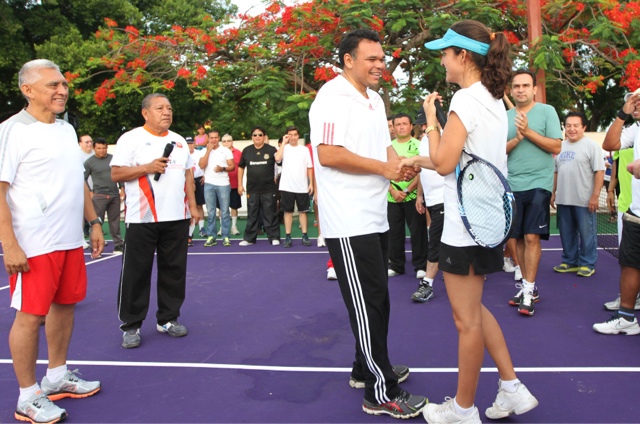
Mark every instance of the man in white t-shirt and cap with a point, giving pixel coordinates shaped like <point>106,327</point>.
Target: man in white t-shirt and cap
<point>43,197</point>
<point>155,166</point>
<point>354,162</point>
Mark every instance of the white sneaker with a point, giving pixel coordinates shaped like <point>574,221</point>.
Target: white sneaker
<point>331,274</point>
<point>617,325</point>
<point>614,305</point>
<point>421,274</point>
<point>234,231</point>
<point>391,273</point>
<point>275,242</point>
<point>321,241</point>
<point>517,274</point>
<point>446,413</point>
<point>508,266</point>
<point>245,243</point>
<point>511,403</point>
<point>85,245</point>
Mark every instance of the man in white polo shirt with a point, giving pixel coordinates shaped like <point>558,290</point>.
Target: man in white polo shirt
<point>354,163</point>
<point>160,203</point>
<point>43,199</point>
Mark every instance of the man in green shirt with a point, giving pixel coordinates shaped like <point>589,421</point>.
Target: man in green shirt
<point>535,136</point>
<point>401,208</point>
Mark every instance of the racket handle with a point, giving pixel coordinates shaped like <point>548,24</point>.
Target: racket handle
<point>440,115</point>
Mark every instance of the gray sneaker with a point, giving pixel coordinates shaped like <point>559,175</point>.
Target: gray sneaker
<point>402,373</point>
<point>131,338</point>
<point>70,386</point>
<point>423,294</point>
<point>39,409</point>
<point>173,329</point>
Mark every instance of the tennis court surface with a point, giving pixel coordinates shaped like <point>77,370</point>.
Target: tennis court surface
<point>269,341</point>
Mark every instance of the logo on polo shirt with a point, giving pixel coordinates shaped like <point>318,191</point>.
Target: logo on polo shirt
<point>266,155</point>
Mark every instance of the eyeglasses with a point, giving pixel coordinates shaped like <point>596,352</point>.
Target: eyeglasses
<point>258,135</point>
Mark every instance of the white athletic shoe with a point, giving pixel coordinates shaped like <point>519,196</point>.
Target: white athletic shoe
<point>275,242</point>
<point>391,273</point>
<point>421,274</point>
<point>517,274</point>
<point>245,243</point>
<point>331,274</point>
<point>85,245</point>
<point>614,305</point>
<point>321,241</point>
<point>617,325</point>
<point>445,413</point>
<point>508,266</point>
<point>511,403</point>
<point>234,231</point>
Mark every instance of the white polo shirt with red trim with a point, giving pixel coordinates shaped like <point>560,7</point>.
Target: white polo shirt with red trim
<point>148,200</point>
<point>352,204</point>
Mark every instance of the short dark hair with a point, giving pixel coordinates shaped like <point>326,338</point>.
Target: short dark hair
<point>213,131</point>
<point>351,40</point>
<point>99,140</point>
<point>402,115</point>
<point>390,118</point>
<point>258,128</point>
<point>523,71</point>
<point>291,128</point>
<point>580,115</point>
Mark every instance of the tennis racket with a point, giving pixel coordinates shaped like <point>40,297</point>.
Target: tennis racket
<point>485,200</point>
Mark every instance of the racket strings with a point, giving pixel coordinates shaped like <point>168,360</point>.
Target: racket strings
<point>485,204</point>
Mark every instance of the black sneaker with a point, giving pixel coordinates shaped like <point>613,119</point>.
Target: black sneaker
<point>287,241</point>
<point>118,250</point>
<point>189,242</point>
<point>515,300</point>
<point>402,373</point>
<point>423,294</point>
<point>526,304</point>
<point>404,406</point>
<point>305,240</point>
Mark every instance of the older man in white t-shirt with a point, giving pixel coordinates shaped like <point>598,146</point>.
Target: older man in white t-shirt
<point>42,200</point>
<point>160,204</point>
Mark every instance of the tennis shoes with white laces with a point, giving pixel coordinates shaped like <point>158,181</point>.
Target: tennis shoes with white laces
<point>506,404</point>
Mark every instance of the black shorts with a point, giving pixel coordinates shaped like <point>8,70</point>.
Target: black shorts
<point>287,200</point>
<point>199,191</point>
<point>235,201</point>
<point>533,215</point>
<point>629,253</point>
<point>435,231</point>
<point>457,260</point>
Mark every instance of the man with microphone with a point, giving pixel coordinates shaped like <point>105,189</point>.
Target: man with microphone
<point>155,166</point>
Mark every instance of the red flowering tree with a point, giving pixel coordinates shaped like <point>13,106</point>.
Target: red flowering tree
<point>265,69</point>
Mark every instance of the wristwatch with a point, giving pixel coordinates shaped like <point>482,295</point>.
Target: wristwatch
<point>95,221</point>
<point>431,128</point>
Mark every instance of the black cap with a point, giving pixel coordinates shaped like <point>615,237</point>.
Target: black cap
<point>189,140</point>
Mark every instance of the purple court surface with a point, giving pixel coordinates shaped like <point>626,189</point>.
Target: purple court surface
<point>269,341</point>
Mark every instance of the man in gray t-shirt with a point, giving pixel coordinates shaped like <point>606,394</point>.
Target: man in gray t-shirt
<point>105,193</point>
<point>578,179</point>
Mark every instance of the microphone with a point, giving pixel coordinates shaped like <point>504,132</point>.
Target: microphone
<point>440,115</point>
<point>167,151</point>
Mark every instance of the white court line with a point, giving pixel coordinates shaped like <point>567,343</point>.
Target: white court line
<point>199,365</point>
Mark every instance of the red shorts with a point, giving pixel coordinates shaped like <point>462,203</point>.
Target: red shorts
<point>56,277</point>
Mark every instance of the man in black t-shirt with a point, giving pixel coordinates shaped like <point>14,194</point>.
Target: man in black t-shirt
<point>259,163</point>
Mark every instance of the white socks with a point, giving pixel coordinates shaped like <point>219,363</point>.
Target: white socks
<point>463,412</point>
<point>28,392</point>
<point>55,374</point>
<point>509,386</point>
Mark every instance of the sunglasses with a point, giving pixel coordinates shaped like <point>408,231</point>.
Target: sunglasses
<point>258,135</point>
